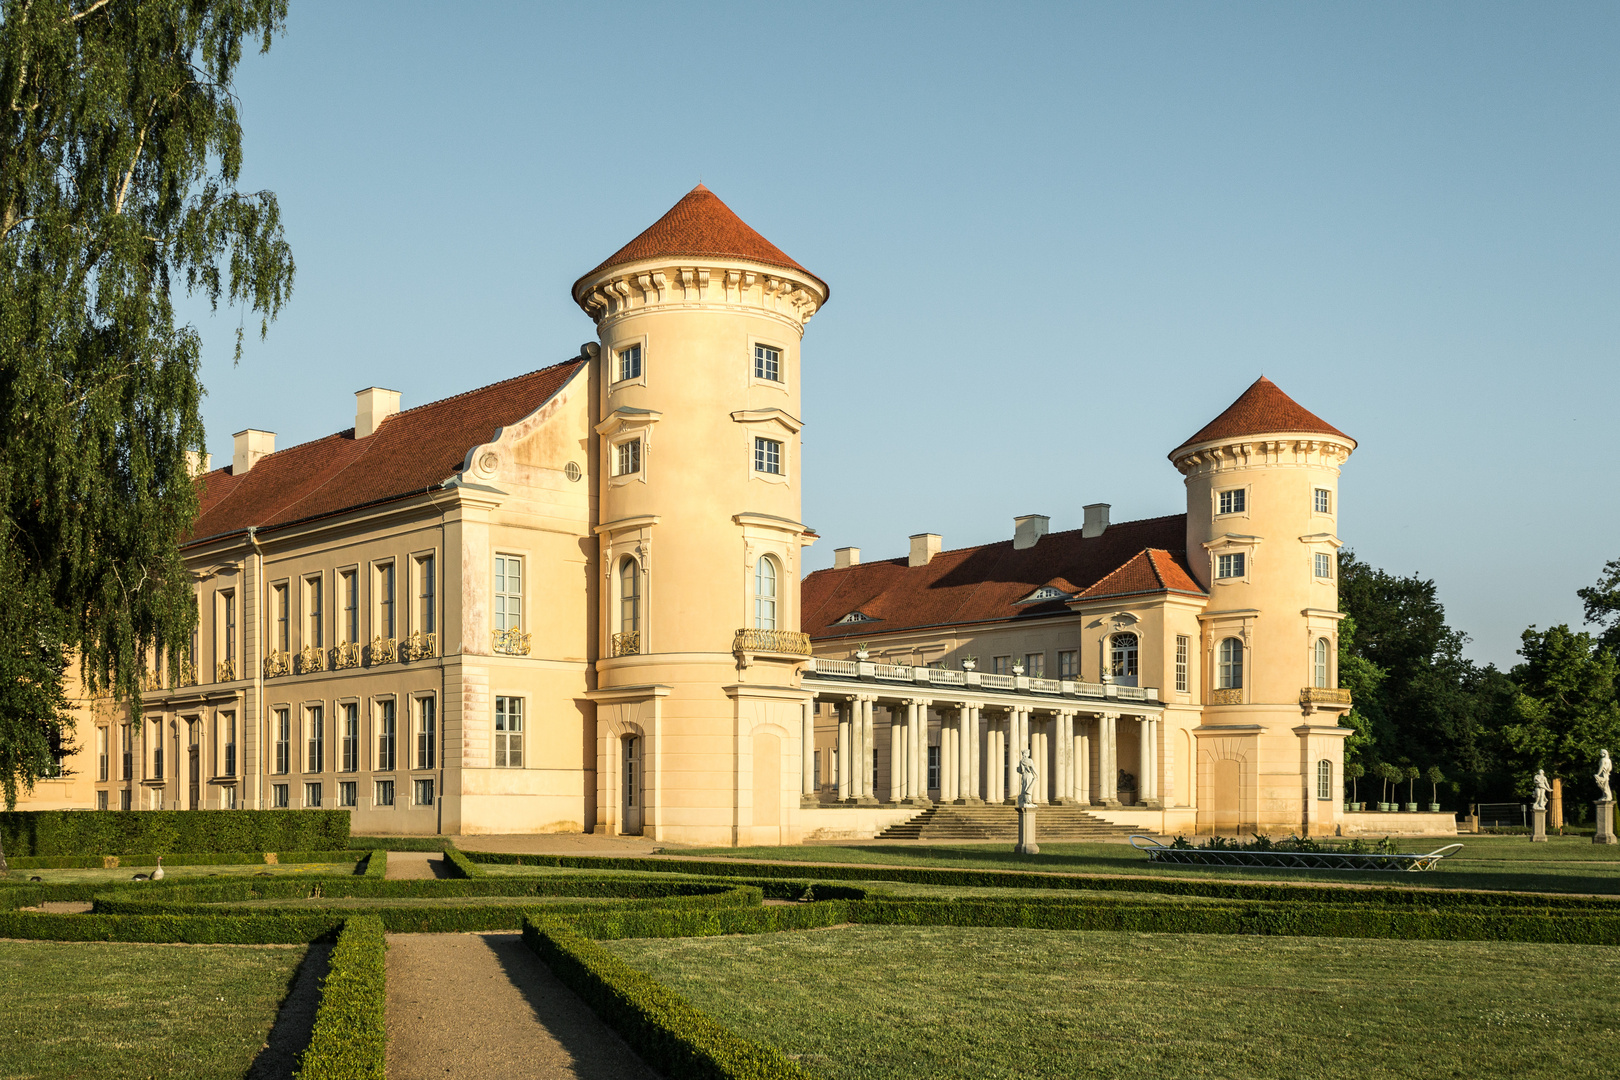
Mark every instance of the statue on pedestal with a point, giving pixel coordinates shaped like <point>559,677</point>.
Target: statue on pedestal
<point>1026,779</point>
<point>1542,789</point>
<point>1602,778</point>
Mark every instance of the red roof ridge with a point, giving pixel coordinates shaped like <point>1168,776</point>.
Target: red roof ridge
<point>1171,578</point>
<point>1261,409</point>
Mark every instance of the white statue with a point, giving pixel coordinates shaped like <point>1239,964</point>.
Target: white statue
<point>1542,788</point>
<point>1026,779</point>
<point>1602,778</point>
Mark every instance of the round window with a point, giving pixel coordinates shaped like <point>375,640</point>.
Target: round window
<point>572,470</point>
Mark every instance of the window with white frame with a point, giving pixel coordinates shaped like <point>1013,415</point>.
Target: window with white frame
<point>1322,501</point>
<point>101,800</point>
<point>312,795</point>
<point>423,793</point>
<point>278,796</point>
<point>385,793</point>
<point>1229,664</point>
<point>157,750</point>
<point>386,736</point>
<point>227,600</point>
<point>1234,501</point>
<point>1035,665</point>
<point>315,739</point>
<point>933,768</point>
<point>426,733</point>
<point>1068,663</point>
<point>1324,779</point>
<point>350,748</point>
<point>765,593</point>
<point>629,596</point>
<point>767,363</point>
<point>508,733</point>
<point>508,592</point>
<point>283,740</point>
<point>426,596</point>
<point>768,456</point>
<point>1182,651</point>
<point>282,606</point>
<point>225,736</point>
<point>627,363</point>
<point>1232,565</point>
<point>1123,657</point>
<point>627,457</point>
<point>350,584</point>
<point>1323,564</point>
<point>314,613</point>
<point>348,793</point>
<point>103,764</point>
<point>1319,663</point>
<point>386,623</point>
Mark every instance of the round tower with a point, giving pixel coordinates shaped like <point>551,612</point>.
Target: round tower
<point>698,485</point>
<point>1262,537</point>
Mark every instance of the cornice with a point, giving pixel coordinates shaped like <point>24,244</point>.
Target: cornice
<point>640,521</point>
<point>1273,449</point>
<point>722,283</point>
<point>765,416</point>
<point>626,417</point>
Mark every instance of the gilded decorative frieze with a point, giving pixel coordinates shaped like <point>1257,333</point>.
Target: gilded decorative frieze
<point>225,671</point>
<point>277,664</point>
<point>1226,697</point>
<point>346,655</point>
<point>512,642</point>
<point>419,646</point>
<point>786,642</point>
<point>311,658</point>
<point>382,650</point>
<point>627,643</point>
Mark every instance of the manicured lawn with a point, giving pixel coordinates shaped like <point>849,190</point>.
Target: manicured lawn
<point>886,1003</point>
<point>138,1011</point>
<point>126,874</point>
<point>1564,864</point>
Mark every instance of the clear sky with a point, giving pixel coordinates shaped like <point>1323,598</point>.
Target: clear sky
<point>1060,238</point>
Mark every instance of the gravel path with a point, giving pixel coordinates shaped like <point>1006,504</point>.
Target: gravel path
<point>482,1006</point>
<point>415,865</point>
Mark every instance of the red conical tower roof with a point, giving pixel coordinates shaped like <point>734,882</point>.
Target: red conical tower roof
<point>700,226</point>
<point>1261,410</point>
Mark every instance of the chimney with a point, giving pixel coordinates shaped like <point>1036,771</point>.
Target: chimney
<point>197,464</point>
<point>843,557</point>
<point>1028,530</point>
<point>251,445</point>
<point>372,406</point>
<point>924,546</point>
<point>1096,520</point>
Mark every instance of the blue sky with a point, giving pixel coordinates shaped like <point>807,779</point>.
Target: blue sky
<point>1060,238</point>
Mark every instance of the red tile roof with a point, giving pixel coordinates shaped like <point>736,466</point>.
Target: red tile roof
<point>697,226</point>
<point>1263,408</point>
<point>987,583</point>
<point>1153,570</point>
<point>413,451</point>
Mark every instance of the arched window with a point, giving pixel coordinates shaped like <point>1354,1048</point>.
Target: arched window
<point>765,593</point>
<point>1319,672</point>
<point>1324,779</point>
<point>1229,668</point>
<point>1123,654</point>
<point>629,596</point>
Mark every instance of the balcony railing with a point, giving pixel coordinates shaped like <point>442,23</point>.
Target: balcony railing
<point>991,681</point>
<point>1226,697</point>
<point>225,671</point>
<point>1045,686</point>
<point>277,664</point>
<point>785,642</point>
<point>188,673</point>
<point>419,646</point>
<point>346,655</point>
<point>382,650</point>
<point>1324,695</point>
<point>513,642</point>
<point>893,671</point>
<point>848,669</point>
<point>311,658</point>
<point>947,677</point>
<point>627,643</point>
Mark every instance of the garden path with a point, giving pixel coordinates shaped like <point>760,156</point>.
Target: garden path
<point>482,1005</point>
<point>415,865</point>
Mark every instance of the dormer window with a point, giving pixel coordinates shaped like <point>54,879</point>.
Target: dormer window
<point>1234,501</point>
<point>854,617</point>
<point>1045,592</point>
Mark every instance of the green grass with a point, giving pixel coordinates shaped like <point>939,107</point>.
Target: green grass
<point>138,1011</point>
<point>1564,864</point>
<point>124,875</point>
<point>876,1003</point>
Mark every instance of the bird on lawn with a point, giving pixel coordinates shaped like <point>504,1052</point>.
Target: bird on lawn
<point>157,875</point>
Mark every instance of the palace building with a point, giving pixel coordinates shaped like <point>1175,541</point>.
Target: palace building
<point>573,600</point>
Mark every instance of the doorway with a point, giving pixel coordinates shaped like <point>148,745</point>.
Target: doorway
<point>631,800</point>
<point>194,762</point>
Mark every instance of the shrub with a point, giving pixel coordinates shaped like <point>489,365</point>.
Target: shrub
<point>377,864</point>
<point>400,843</point>
<point>349,1041</point>
<point>261,928</point>
<point>160,832</point>
<point>460,865</point>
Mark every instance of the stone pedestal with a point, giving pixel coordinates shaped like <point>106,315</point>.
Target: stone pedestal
<point>1026,832</point>
<point>1605,822</point>
<point>1538,826</point>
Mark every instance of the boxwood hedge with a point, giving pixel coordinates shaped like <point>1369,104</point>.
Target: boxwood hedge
<point>159,832</point>
<point>269,928</point>
<point>349,1041</point>
<point>230,858</point>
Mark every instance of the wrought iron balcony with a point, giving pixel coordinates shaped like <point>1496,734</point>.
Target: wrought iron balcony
<point>383,650</point>
<point>512,642</point>
<point>627,644</point>
<point>419,646</point>
<point>346,655</point>
<point>782,642</point>
<point>1324,695</point>
<point>225,671</point>
<point>311,658</point>
<point>277,664</point>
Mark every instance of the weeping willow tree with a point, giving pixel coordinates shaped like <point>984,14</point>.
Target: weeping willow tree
<point>119,166</point>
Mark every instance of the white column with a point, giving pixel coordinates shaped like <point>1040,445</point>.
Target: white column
<point>998,765</point>
<point>1082,763</point>
<point>919,763</point>
<point>843,750</point>
<point>1109,772</point>
<point>992,761</point>
<point>807,745</point>
<point>975,754</point>
<point>948,745</point>
<point>1144,757</point>
<point>1166,773</point>
<point>1063,747</point>
<point>868,749</point>
<point>1037,753</point>
<point>964,751</point>
<point>897,755</point>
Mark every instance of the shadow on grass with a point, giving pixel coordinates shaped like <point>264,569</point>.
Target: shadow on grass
<point>295,1022</point>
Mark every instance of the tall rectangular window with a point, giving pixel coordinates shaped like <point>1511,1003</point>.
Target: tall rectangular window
<point>426,732</point>
<point>767,363</point>
<point>1324,779</point>
<point>281,606</point>
<point>1324,565</point>
<point>351,737</point>
<point>103,764</point>
<point>228,617</point>
<point>126,799</point>
<point>278,796</point>
<point>1322,501</point>
<point>1182,649</point>
<point>312,796</point>
<point>1229,566</point>
<point>1068,663</point>
<point>350,583</point>
<point>1001,665</point>
<point>385,793</point>
<point>313,613</point>
<point>424,791</point>
<point>629,363</point>
<point>425,597</point>
<point>933,768</point>
<point>226,729</point>
<point>101,800</point>
<point>385,736</point>
<point>768,456</point>
<point>508,733</point>
<point>508,592</point>
<point>627,457</point>
<point>1035,665</point>
<point>127,752</point>
<point>283,740</point>
<point>385,600</point>
<point>315,739</point>
<point>348,793</point>
<point>157,750</point>
<point>1232,502</point>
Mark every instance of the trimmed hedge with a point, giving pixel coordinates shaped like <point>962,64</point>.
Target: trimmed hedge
<point>159,832</point>
<point>377,865</point>
<point>460,865</point>
<point>290,928</point>
<point>400,843</point>
<point>663,1028</point>
<point>177,895</point>
<point>350,1040</point>
<point>233,858</point>
<point>622,921</point>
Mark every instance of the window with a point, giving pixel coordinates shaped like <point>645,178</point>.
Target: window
<point>426,732</point>
<point>315,739</point>
<point>424,594</point>
<point>424,791</point>
<point>1232,502</point>
<point>627,458</point>
<point>628,364</point>
<point>225,727</point>
<point>283,740</point>
<point>157,750</point>
<point>385,793</point>
<point>1324,779</point>
<point>1319,663</point>
<point>385,600</point>
<point>227,798</point>
<point>508,733</point>
<point>348,793</point>
<point>629,596</point>
<point>816,768</point>
<point>1001,665</point>
<point>1035,665</point>
<point>1324,565</point>
<point>1068,663</point>
<point>312,795</point>
<point>228,617</point>
<point>351,606</point>
<point>933,768</point>
<point>126,799</point>
<point>1230,664</point>
<point>765,593</point>
<point>314,615</point>
<point>630,772</point>
<point>1181,663</point>
<point>508,592</point>
<point>278,796</point>
<point>1123,653</point>
<point>767,363</point>
<point>128,753</point>
<point>351,737</point>
<point>101,800</point>
<point>385,737</point>
<point>768,456</point>
<point>282,606</point>
<point>1230,566</point>
<point>1322,501</point>
<point>103,762</point>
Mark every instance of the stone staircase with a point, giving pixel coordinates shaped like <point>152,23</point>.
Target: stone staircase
<point>1052,823</point>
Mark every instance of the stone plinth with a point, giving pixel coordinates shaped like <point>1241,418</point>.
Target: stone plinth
<point>1605,823</point>
<point>1538,826</point>
<point>1026,832</point>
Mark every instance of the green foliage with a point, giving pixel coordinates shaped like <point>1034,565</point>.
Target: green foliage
<point>663,1028</point>
<point>233,858</point>
<point>1565,711</point>
<point>268,928</point>
<point>350,1041</point>
<point>377,865</point>
<point>1602,603</point>
<point>120,155</point>
<point>460,864</point>
<point>399,843</point>
<point>160,832</point>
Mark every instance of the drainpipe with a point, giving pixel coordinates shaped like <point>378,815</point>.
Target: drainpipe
<point>258,672</point>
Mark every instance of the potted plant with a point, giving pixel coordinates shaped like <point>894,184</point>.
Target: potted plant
<point>862,653</point>
<point>1353,771</point>
<point>1434,776</point>
<point>1388,775</point>
<point>969,663</point>
<point>1018,667</point>
<point>1410,775</point>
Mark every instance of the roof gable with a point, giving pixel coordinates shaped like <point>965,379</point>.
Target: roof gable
<point>1152,570</point>
<point>1259,410</point>
<point>699,225</point>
